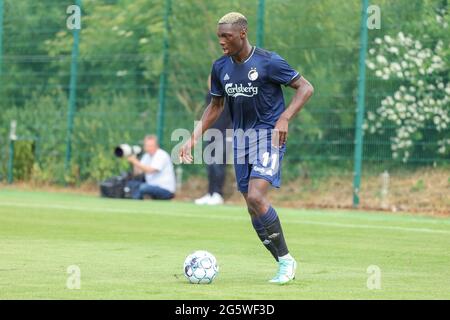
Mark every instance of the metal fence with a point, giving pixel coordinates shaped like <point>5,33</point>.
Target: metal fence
<point>136,67</point>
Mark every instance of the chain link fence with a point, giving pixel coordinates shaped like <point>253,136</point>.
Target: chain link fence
<point>138,67</point>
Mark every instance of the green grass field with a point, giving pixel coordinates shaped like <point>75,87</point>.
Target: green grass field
<point>135,250</point>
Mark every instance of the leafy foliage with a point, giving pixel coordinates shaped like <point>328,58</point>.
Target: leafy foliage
<point>121,60</point>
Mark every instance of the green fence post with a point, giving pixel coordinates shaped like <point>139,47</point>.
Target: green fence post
<point>163,76</point>
<point>72,94</point>
<point>360,105</point>
<point>260,24</point>
<point>12,140</point>
<point>11,162</point>
<point>1,39</point>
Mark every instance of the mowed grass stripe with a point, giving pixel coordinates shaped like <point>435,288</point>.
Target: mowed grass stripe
<point>289,219</point>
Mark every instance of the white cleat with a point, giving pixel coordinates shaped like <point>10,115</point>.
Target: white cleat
<point>215,199</point>
<point>203,200</point>
<point>286,271</point>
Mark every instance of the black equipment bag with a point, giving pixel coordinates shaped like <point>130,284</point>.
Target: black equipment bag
<point>114,187</point>
<point>119,186</point>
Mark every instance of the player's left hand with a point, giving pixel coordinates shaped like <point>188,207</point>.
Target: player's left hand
<point>280,133</point>
<point>185,153</point>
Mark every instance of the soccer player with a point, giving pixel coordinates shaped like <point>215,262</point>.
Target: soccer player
<point>250,79</point>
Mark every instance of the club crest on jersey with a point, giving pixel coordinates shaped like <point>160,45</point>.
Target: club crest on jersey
<point>227,77</point>
<point>253,74</point>
<point>234,90</point>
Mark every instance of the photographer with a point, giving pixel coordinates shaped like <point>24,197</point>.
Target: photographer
<point>158,169</point>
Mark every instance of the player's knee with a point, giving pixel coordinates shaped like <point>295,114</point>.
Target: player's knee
<point>255,202</point>
<point>250,210</point>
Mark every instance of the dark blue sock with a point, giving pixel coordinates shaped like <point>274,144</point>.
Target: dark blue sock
<point>263,236</point>
<point>269,217</point>
<point>272,225</point>
<point>257,224</point>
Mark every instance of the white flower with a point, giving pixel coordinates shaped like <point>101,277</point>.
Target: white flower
<point>370,65</point>
<point>393,50</point>
<point>401,108</point>
<point>436,59</point>
<point>143,40</point>
<point>422,55</point>
<point>396,67</point>
<point>381,59</point>
<point>388,39</point>
<point>378,41</point>
<point>378,73</point>
<point>408,41</point>
<point>436,120</point>
<point>121,73</point>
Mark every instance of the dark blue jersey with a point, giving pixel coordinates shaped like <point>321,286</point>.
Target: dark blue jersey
<point>252,89</point>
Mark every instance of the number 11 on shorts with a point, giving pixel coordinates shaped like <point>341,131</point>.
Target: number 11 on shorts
<point>274,160</point>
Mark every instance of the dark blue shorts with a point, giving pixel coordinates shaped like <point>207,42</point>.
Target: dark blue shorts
<point>265,164</point>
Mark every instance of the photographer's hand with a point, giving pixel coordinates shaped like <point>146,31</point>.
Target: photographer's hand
<point>140,166</point>
<point>133,160</point>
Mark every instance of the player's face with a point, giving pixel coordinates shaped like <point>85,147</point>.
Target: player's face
<point>231,38</point>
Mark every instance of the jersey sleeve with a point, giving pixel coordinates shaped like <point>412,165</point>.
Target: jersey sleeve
<point>216,85</point>
<point>280,71</point>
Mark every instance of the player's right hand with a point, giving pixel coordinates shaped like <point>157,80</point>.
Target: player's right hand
<point>185,153</point>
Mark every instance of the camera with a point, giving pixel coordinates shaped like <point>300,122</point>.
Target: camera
<point>126,150</point>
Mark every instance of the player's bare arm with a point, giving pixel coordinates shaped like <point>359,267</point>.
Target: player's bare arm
<point>210,115</point>
<point>304,90</point>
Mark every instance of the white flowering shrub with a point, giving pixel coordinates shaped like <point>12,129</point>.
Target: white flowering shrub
<point>421,100</point>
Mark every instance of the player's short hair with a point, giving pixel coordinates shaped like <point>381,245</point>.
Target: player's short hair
<point>235,18</point>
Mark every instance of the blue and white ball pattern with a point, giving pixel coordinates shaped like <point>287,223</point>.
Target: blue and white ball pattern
<point>200,267</point>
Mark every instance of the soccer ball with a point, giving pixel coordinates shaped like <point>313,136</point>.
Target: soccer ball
<point>200,267</point>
